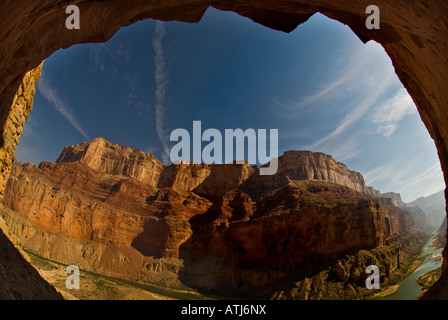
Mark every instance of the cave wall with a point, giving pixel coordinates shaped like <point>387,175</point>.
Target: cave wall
<point>413,33</point>
<point>15,120</point>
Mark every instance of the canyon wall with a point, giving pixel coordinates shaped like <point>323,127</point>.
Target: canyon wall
<point>213,180</point>
<point>419,216</point>
<point>106,157</point>
<point>119,212</point>
<point>289,233</point>
<point>433,206</point>
<point>307,165</point>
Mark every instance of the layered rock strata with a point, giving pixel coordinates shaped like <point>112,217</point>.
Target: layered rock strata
<point>419,217</point>
<point>120,212</point>
<point>15,121</point>
<point>345,278</point>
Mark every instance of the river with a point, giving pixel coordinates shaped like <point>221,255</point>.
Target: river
<point>409,289</point>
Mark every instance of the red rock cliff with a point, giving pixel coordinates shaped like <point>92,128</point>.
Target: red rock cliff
<point>120,212</point>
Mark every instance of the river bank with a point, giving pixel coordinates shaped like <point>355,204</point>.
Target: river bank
<point>408,289</point>
<point>393,288</point>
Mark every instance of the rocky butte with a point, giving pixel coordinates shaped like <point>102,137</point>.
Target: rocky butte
<point>307,232</point>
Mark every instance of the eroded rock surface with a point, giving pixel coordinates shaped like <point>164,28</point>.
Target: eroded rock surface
<point>120,212</point>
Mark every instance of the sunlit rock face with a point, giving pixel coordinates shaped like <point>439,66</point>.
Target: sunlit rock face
<point>412,34</point>
<point>119,212</point>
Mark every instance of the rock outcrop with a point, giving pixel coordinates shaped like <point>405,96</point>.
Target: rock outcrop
<point>307,165</point>
<point>346,277</point>
<point>120,212</point>
<point>419,217</point>
<point>395,198</point>
<point>15,120</point>
<point>211,180</point>
<point>246,247</point>
<point>434,207</point>
<point>106,157</point>
<point>80,216</point>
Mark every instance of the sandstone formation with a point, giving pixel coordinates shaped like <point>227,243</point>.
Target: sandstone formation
<point>346,277</point>
<point>395,198</point>
<point>419,217</point>
<point>106,157</point>
<point>13,126</point>
<point>307,165</point>
<point>80,216</point>
<point>245,246</point>
<point>433,206</point>
<point>120,212</point>
<point>213,180</point>
<point>412,33</point>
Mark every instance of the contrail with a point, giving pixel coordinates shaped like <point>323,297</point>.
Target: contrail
<point>161,79</point>
<point>51,96</point>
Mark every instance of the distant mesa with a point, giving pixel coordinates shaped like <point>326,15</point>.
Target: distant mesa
<point>433,206</point>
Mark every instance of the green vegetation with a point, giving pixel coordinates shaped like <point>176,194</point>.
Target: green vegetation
<point>410,262</point>
<point>428,279</point>
<point>99,287</point>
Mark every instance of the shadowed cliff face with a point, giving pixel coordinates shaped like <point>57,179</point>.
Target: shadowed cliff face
<point>239,243</point>
<point>120,212</point>
<point>412,33</point>
<point>19,280</point>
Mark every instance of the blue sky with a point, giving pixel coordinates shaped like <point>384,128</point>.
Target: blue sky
<point>320,86</point>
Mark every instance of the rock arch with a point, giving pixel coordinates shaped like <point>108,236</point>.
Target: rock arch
<point>413,33</point>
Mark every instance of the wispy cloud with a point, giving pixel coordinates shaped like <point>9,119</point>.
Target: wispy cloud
<point>97,55</point>
<point>392,111</point>
<point>355,91</point>
<point>431,173</point>
<point>30,148</point>
<point>357,106</point>
<point>123,52</point>
<point>356,72</point>
<point>361,105</point>
<point>395,172</point>
<point>49,93</point>
<point>109,58</point>
<point>407,176</point>
<point>106,56</point>
<point>161,79</point>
